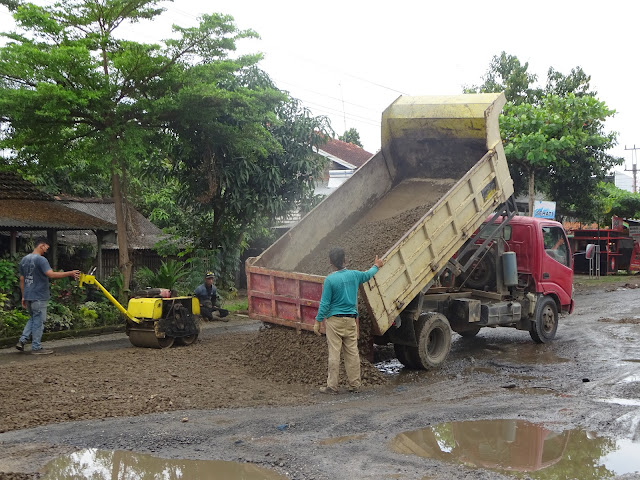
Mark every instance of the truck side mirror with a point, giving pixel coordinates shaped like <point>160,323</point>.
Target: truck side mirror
<point>590,252</point>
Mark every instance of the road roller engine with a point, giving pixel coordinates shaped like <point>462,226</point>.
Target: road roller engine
<point>154,318</point>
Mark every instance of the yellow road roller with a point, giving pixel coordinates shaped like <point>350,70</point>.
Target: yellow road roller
<point>155,319</point>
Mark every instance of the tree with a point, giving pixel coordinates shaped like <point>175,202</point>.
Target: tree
<point>351,136</point>
<point>618,202</point>
<point>71,91</point>
<point>240,155</point>
<point>555,140</point>
<point>560,139</point>
<point>506,74</point>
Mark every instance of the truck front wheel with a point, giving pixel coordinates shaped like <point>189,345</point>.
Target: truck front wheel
<point>433,334</point>
<point>545,324</point>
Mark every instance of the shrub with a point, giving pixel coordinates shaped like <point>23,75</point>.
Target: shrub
<point>86,318</point>
<point>12,322</point>
<point>169,273</point>
<point>59,317</point>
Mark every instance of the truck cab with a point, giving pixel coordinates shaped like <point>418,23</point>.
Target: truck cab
<point>544,260</point>
<point>485,294</point>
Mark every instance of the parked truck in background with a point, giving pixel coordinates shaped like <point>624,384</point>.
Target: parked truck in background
<point>438,200</point>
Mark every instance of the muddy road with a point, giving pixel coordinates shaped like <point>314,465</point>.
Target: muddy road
<point>500,407</point>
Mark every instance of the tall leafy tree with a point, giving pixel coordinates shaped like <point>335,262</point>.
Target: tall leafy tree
<point>555,137</point>
<point>560,139</point>
<point>506,74</point>
<point>236,160</point>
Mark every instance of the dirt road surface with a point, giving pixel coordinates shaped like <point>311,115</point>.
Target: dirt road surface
<point>246,395</point>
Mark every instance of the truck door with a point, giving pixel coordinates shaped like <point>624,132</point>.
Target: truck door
<point>557,270</point>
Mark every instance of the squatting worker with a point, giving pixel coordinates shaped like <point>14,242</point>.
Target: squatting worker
<point>35,273</point>
<point>207,295</point>
<point>339,307</point>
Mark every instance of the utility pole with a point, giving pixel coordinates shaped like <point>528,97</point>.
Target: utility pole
<point>634,166</point>
<point>344,115</point>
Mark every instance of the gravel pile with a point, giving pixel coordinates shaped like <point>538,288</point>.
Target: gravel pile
<point>287,356</point>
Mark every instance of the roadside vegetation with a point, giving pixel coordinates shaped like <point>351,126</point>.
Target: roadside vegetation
<point>70,307</point>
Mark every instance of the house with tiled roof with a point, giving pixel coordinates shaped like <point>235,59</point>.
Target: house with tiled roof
<point>79,224</point>
<point>344,159</point>
<point>26,212</point>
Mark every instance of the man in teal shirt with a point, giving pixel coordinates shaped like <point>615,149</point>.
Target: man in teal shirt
<point>339,307</point>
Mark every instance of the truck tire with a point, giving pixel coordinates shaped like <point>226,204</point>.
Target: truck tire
<point>403,356</point>
<point>481,274</point>
<point>433,334</point>
<point>545,324</point>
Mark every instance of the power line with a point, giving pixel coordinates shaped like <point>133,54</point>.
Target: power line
<point>298,87</point>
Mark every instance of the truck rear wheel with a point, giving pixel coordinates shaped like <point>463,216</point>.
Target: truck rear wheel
<point>433,334</point>
<point>545,324</point>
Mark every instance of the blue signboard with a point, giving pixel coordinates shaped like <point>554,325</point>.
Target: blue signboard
<point>544,209</point>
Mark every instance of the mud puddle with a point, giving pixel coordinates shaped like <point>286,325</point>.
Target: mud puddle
<point>521,448</point>
<point>523,354</point>
<point>108,464</point>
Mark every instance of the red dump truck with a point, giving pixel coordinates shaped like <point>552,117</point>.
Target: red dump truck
<point>436,204</point>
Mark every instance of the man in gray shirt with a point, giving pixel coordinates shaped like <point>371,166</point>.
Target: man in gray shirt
<point>35,273</point>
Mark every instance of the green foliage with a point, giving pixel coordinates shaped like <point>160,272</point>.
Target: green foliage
<point>616,202</point>
<point>8,275</point>
<point>59,317</point>
<point>86,318</point>
<point>114,284</point>
<point>554,138</point>
<point>351,136</point>
<point>12,322</point>
<point>169,273</point>
<point>237,305</point>
<point>506,74</point>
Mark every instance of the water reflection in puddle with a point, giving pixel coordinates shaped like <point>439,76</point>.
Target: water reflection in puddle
<point>519,446</point>
<point>120,465</point>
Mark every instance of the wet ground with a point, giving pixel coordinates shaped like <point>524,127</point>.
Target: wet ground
<point>501,407</point>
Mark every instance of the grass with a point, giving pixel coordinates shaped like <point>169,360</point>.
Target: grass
<point>605,279</point>
<point>237,305</point>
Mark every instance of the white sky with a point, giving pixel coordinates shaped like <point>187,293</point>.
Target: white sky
<point>350,59</point>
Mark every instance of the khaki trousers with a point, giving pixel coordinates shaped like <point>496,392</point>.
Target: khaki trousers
<point>342,335</point>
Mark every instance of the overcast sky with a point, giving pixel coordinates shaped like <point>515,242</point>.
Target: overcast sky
<point>350,59</point>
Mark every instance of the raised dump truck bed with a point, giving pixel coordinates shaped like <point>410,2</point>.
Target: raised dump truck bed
<point>441,171</point>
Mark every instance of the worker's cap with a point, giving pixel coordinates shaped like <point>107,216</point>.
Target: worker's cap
<point>209,275</point>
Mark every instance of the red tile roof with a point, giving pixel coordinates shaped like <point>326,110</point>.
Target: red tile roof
<point>348,152</point>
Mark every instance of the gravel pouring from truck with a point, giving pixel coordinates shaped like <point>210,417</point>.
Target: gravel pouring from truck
<point>449,145</point>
